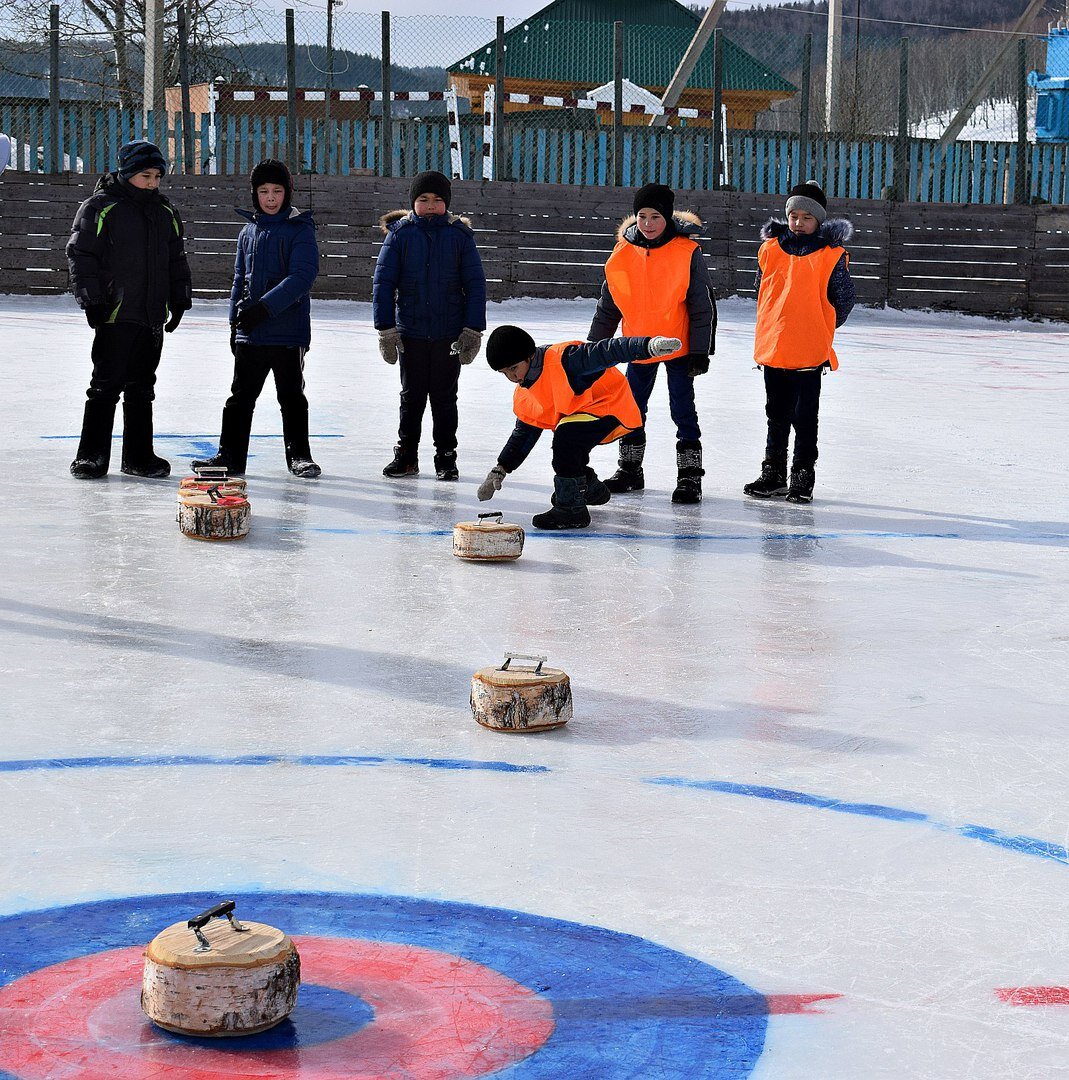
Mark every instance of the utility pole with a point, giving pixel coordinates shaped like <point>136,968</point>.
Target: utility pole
<point>148,85</point>
<point>690,59</point>
<point>152,88</point>
<point>833,83</point>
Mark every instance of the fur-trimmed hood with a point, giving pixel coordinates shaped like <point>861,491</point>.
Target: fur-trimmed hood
<point>273,219</point>
<point>396,218</point>
<point>835,232</point>
<point>686,222</point>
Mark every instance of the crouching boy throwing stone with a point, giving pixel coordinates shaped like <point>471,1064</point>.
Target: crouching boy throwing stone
<point>573,390</point>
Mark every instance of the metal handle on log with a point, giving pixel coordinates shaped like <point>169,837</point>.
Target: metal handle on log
<point>491,514</point>
<point>510,656</point>
<point>225,909</point>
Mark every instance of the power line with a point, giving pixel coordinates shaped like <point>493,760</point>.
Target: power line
<point>886,22</point>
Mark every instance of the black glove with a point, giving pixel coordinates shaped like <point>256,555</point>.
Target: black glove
<point>233,339</point>
<point>251,315</point>
<point>176,318</point>
<point>97,314</point>
<point>697,364</point>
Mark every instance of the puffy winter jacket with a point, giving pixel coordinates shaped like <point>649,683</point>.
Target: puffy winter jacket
<point>127,249</point>
<point>429,279</point>
<point>276,265</point>
<point>696,309</point>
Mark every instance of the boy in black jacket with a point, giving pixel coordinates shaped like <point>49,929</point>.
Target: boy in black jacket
<point>130,276</point>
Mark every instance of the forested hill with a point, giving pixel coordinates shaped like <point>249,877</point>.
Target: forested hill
<point>884,19</point>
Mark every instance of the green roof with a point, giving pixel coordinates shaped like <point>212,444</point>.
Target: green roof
<point>642,12</point>
<point>573,51</point>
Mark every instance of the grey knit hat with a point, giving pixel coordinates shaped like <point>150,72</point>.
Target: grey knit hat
<point>809,199</point>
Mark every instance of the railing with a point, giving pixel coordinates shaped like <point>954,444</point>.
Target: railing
<point>757,162</point>
<point>545,240</point>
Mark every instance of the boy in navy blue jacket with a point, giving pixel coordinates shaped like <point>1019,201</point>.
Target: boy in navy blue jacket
<point>429,301</point>
<point>270,320</point>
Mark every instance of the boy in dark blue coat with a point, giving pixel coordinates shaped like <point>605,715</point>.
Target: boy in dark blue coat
<point>270,325</point>
<point>130,276</point>
<point>429,301</point>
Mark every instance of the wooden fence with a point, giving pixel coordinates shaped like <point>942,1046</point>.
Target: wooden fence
<point>543,240</point>
<point>89,136</point>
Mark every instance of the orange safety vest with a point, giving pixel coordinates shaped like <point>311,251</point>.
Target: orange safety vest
<point>649,286</point>
<point>795,318</point>
<point>552,401</point>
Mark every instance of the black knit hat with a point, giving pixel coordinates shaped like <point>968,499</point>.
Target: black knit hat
<point>271,172</point>
<point>655,197</point>
<point>508,345</point>
<point>430,183</point>
<point>135,157</point>
<point>809,199</point>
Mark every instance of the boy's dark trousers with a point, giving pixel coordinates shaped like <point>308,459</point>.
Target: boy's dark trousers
<point>573,441</point>
<point>125,359</point>
<point>641,377</point>
<point>792,399</point>
<point>252,365</point>
<point>428,371</point>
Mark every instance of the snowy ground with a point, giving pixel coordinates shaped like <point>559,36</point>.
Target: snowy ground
<point>819,749</point>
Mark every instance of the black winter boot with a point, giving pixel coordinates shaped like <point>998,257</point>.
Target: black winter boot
<point>233,451</point>
<point>597,492</point>
<point>803,477</point>
<point>690,472</point>
<point>772,483</point>
<point>569,505</point>
<point>629,476</point>
<point>405,462</point>
<point>295,436</point>
<point>445,465</point>
<point>138,458</point>
<point>94,448</point>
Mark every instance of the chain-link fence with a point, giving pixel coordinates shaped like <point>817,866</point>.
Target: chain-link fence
<point>554,99</point>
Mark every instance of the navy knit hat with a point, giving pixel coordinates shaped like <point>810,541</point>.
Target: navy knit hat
<point>655,197</point>
<point>271,172</point>
<point>508,345</point>
<point>430,183</point>
<point>135,157</point>
<point>809,199</point>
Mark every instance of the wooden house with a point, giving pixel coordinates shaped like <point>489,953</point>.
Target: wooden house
<point>566,49</point>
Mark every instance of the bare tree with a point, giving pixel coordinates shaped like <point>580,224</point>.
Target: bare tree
<point>114,32</point>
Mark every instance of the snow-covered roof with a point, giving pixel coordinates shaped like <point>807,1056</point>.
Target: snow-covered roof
<point>633,95</point>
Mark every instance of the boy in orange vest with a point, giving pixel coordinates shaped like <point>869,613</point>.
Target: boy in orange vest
<point>573,390</point>
<point>656,282</point>
<point>804,291</point>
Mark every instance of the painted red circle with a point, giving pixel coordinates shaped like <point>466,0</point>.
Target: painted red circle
<point>436,1017</point>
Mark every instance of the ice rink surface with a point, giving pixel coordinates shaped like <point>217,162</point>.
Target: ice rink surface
<point>809,820</point>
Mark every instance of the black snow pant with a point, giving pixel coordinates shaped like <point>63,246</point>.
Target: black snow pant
<point>429,371</point>
<point>252,365</point>
<point>125,358</point>
<point>792,399</point>
<point>573,441</point>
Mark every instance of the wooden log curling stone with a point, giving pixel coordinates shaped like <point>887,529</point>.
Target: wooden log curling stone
<point>487,540</point>
<point>220,978</point>
<point>521,699</point>
<point>209,515</point>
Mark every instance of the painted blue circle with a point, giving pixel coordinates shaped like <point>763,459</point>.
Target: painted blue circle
<point>624,1008</point>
